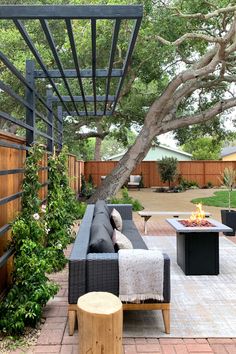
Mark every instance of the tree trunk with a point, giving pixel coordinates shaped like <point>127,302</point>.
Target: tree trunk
<point>98,144</point>
<point>129,161</point>
<point>97,150</point>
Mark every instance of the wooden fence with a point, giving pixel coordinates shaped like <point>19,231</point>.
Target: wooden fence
<point>12,159</point>
<point>201,172</point>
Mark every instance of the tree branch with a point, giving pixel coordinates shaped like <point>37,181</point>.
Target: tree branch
<point>201,16</point>
<point>204,116</point>
<point>92,134</point>
<point>186,36</point>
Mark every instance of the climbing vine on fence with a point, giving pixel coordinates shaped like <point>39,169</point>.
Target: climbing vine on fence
<point>62,210</point>
<point>30,288</point>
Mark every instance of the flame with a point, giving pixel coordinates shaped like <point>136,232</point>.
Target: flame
<point>198,215</point>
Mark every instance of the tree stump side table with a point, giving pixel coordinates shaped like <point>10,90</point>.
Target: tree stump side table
<point>100,323</point>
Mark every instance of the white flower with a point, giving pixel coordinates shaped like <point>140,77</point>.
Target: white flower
<point>47,231</point>
<point>36,216</point>
<point>59,246</point>
<point>43,208</point>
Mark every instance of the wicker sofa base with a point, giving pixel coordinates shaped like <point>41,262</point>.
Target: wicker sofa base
<point>164,307</point>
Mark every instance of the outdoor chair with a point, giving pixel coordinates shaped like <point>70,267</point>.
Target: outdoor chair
<point>134,181</point>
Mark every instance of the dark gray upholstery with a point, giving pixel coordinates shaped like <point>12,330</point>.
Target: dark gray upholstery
<point>100,240</point>
<point>99,271</point>
<point>101,207</point>
<point>103,219</point>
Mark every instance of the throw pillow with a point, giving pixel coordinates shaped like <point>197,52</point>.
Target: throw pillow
<point>116,219</point>
<point>100,241</point>
<point>121,240</point>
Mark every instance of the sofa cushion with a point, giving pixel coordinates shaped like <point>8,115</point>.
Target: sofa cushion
<point>100,240</point>
<point>121,240</point>
<point>116,219</point>
<point>103,219</point>
<point>130,231</point>
<point>101,207</point>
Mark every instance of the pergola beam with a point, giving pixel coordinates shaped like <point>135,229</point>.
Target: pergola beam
<point>70,11</point>
<point>72,73</point>
<point>90,114</point>
<point>87,98</point>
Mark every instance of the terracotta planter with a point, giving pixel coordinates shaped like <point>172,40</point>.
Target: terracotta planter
<point>229,218</point>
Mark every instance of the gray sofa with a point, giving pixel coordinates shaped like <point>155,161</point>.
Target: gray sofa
<point>99,271</point>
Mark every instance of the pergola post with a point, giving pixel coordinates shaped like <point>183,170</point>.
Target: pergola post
<point>60,125</point>
<point>30,98</point>
<point>50,132</point>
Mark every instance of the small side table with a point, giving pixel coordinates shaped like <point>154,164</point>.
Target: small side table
<point>100,322</point>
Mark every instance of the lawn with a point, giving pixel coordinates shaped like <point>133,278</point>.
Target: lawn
<point>219,199</point>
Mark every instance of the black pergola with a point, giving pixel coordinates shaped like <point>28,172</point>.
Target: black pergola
<point>67,13</point>
<point>53,118</point>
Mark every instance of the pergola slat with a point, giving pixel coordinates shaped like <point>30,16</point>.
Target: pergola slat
<point>91,114</point>
<point>83,73</point>
<point>127,59</point>
<point>86,98</point>
<point>37,56</point>
<point>52,46</point>
<point>70,11</point>
<point>111,59</point>
<point>76,61</point>
<point>93,33</point>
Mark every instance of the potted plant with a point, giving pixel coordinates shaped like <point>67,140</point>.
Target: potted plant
<point>228,216</point>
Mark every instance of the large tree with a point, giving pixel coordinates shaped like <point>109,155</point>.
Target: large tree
<point>198,41</point>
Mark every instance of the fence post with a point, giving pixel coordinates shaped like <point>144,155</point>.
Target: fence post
<point>60,125</point>
<point>30,98</point>
<point>50,132</point>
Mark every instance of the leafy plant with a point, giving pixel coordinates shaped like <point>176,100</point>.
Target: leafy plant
<point>87,188</point>
<point>126,199</point>
<point>141,183</point>
<point>168,169</point>
<point>30,288</point>
<point>228,178</point>
<point>61,211</point>
<point>209,184</point>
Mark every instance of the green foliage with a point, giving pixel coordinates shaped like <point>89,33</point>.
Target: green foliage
<point>214,129</point>
<point>186,184</point>
<point>126,199</point>
<point>30,289</point>
<point>209,184</point>
<point>141,183</point>
<point>61,211</point>
<point>168,169</point>
<point>87,188</point>
<point>219,199</point>
<point>90,180</point>
<point>205,148</point>
<point>228,178</point>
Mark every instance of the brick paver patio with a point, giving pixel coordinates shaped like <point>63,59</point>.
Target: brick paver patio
<point>54,337</point>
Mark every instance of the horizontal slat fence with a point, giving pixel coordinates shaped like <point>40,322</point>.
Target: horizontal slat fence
<point>201,172</point>
<point>12,159</point>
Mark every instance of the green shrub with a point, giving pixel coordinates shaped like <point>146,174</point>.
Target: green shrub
<point>141,183</point>
<point>30,288</point>
<point>186,184</point>
<point>126,199</point>
<point>87,188</point>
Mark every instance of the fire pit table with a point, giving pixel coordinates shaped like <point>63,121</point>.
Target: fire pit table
<point>198,246</point>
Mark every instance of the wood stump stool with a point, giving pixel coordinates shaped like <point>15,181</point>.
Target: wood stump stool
<point>100,323</point>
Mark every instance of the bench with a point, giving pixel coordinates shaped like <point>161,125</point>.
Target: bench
<point>148,214</point>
